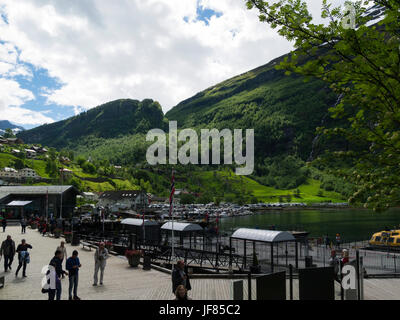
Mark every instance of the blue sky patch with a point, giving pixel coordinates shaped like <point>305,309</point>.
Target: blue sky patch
<point>204,14</point>
<point>38,85</point>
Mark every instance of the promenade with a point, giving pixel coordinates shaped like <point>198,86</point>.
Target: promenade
<point>122,282</point>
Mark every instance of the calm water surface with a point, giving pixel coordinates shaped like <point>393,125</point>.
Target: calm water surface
<point>351,224</point>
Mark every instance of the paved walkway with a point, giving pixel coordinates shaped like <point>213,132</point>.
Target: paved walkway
<point>122,282</point>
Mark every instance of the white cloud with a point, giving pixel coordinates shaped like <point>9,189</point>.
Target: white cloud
<point>12,96</point>
<point>104,50</point>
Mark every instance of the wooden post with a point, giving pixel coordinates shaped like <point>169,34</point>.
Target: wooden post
<point>249,286</point>
<point>358,275</point>
<point>244,259</point>
<point>272,257</point>
<point>230,253</point>
<point>291,281</point>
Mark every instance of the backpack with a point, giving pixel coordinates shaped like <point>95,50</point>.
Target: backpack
<point>46,280</point>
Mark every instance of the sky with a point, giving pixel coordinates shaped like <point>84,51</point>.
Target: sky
<point>61,57</point>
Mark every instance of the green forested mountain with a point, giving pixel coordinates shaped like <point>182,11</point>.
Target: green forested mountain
<point>284,110</point>
<point>108,121</point>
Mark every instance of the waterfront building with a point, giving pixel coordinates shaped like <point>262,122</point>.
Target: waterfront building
<point>16,201</point>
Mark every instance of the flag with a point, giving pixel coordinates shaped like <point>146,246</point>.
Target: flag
<point>171,196</point>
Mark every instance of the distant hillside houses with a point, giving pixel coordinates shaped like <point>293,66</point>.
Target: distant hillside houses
<point>10,141</point>
<point>23,174</point>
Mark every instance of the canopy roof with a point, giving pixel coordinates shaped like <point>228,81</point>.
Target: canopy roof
<point>18,203</point>
<point>181,227</point>
<point>262,235</point>
<point>138,222</point>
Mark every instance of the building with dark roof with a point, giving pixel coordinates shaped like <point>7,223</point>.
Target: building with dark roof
<point>56,201</point>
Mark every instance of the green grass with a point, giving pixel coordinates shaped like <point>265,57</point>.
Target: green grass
<point>308,191</point>
<point>6,159</point>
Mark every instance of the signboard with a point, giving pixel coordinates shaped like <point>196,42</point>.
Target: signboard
<point>271,286</point>
<point>316,284</point>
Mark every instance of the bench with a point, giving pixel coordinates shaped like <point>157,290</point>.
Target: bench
<point>88,245</point>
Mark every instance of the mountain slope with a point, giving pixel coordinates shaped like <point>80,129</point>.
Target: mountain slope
<point>111,120</point>
<point>283,110</point>
<point>5,124</point>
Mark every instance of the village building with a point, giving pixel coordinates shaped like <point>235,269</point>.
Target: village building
<point>66,173</point>
<point>30,153</point>
<point>39,149</point>
<point>65,160</point>
<point>56,201</point>
<point>91,196</point>
<point>23,174</point>
<point>123,200</point>
<point>14,141</point>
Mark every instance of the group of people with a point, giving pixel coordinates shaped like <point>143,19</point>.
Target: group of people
<point>8,251</point>
<point>56,273</point>
<point>180,282</point>
<point>329,243</point>
<point>335,262</point>
<point>23,223</point>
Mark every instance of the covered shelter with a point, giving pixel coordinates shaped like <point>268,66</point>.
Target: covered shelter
<point>270,237</point>
<point>146,231</point>
<point>46,201</point>
<point>18,205</point>
<point>183,229</point>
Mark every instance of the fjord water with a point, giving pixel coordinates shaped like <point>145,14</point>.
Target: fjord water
<point>351,224</point>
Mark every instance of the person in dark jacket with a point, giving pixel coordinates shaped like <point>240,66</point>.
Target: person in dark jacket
<point>23,257</point>
<point>4,224</point>
<point>57,262</point>
<point>73,265</point>
<point>8,251</point>
<point>23,225</point>
<point>180,277</point>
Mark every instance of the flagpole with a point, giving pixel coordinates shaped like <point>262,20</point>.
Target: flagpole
<point>172,217</point>
<point>143,208</point>
<point>173,237</point>
<point>47,204</point>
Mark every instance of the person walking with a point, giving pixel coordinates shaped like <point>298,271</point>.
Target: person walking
<point>56,261</point>
<point>100,257</point>
<point>180,277</point>
<point>338,240</point>
<point>327,242</point>
<point>23,225</point>
<point>63,249</point>
<point>73,265</point>
<point>334,263</point>
<point>8,251</point>
<point>23,257</point>
<point>4,224</point>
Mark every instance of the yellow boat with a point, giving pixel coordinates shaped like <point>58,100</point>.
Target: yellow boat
<point>387,238</point>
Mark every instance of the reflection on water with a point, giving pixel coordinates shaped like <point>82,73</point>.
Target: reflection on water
<point>351,224</point>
